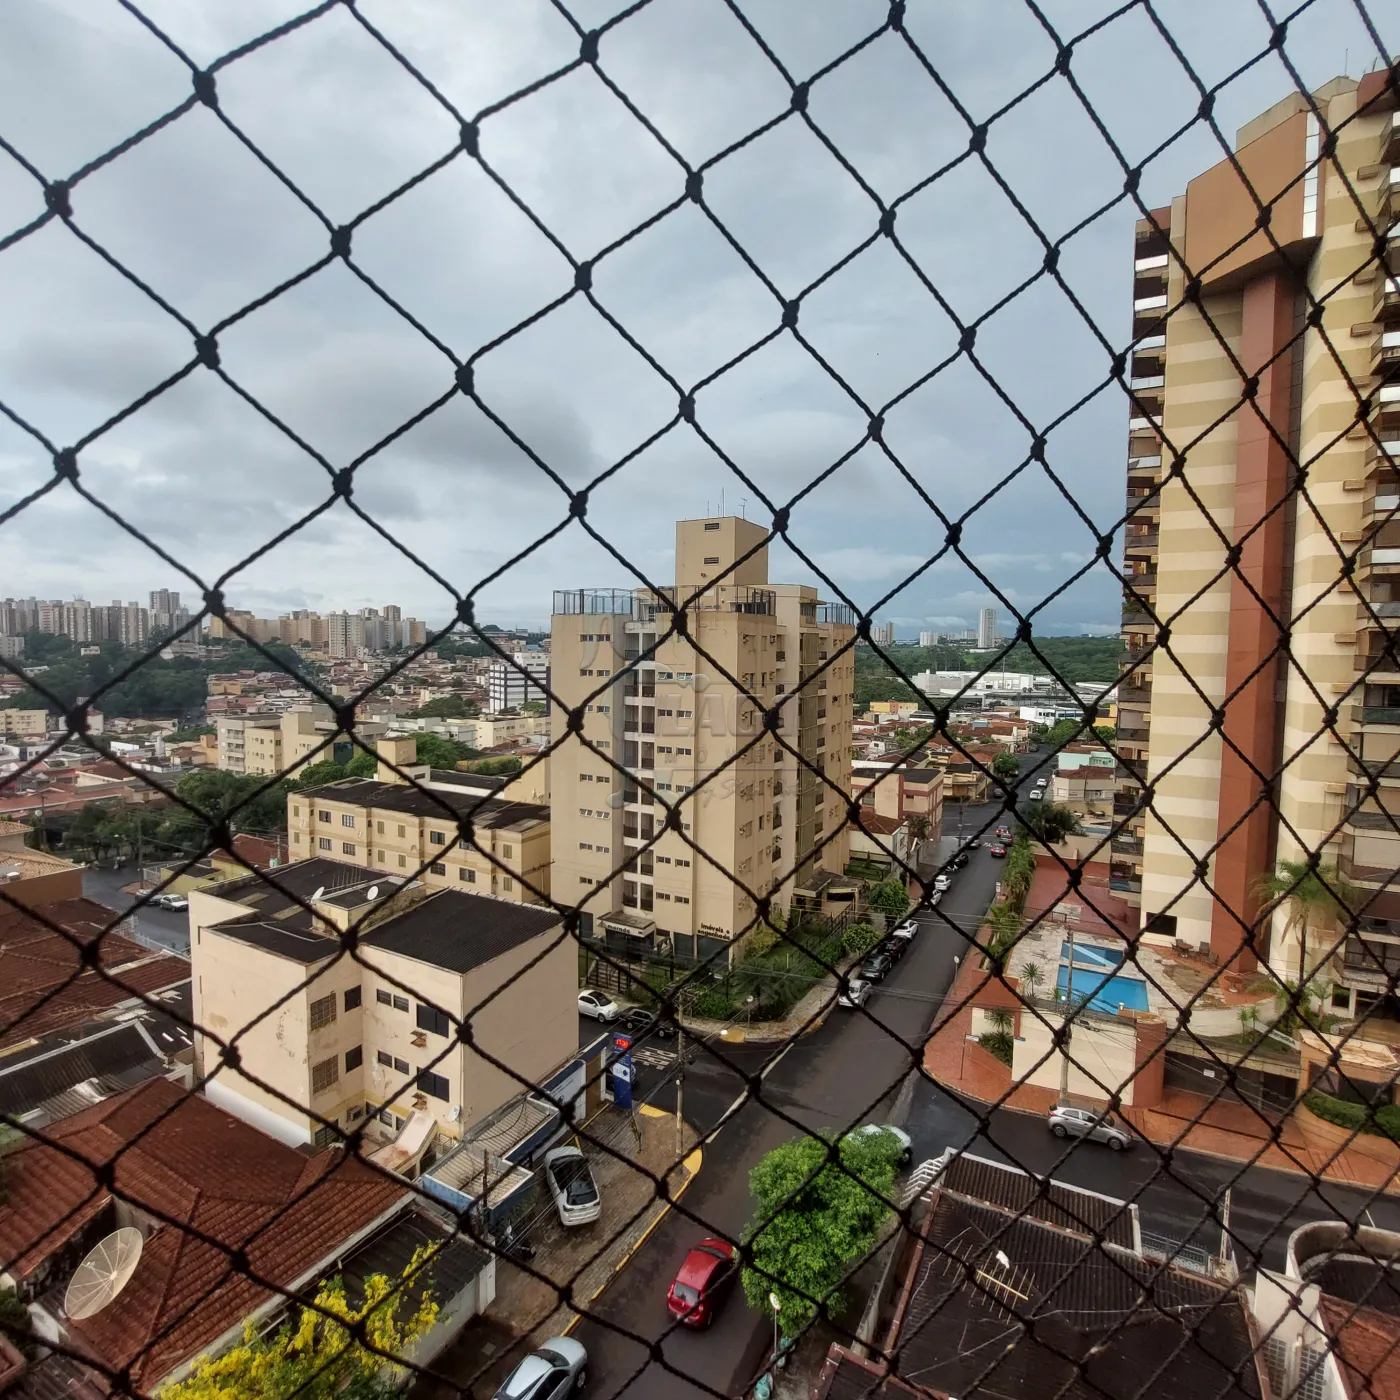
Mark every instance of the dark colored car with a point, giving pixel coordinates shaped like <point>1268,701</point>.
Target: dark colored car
<point>643,1025</point>
<point>703,1282</point>
<point>997,851</point>
<point>876,965</point>
<point>895,947</point>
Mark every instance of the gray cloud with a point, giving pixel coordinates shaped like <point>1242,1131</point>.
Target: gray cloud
<point>196,216</point>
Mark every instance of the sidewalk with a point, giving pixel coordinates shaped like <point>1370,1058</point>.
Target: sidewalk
<point>1302,1143</point>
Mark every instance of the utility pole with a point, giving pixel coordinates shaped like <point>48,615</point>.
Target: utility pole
<point>1065,1023</point>
<point>680,1087</point>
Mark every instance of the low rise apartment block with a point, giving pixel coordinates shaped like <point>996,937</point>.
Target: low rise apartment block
<point>412,830</point>
<point>326,1038</point>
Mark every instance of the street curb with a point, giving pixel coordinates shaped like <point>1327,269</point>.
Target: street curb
<point>968,1098</point>
<point>692,1162</point>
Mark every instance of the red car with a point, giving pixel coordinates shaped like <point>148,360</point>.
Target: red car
<point>1003,833</point>
<point>703,1282</point>
<point>996,851</point>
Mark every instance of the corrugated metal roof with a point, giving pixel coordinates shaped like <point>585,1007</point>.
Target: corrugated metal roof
<point>1040,1198</point>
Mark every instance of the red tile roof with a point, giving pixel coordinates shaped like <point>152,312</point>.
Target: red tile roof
<point>1366,1344</point>
<point>46,982</point>
<point>211,1185</point>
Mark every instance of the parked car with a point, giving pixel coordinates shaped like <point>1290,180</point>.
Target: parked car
<point>704,1282</point>
<point>853,993</point>
<point>958,861</point>
<point>645,1025</point>
<point>876,965</point>
<point>998,852</point>
<point>571,1184</point>
<point>176,902</point>
<point>599,1005</point>
<point>906,1143</point>
<point>935,898</point>
<point>905,931</point>
<point>895,947</point>
<point>550,1372</point>
<point>1087,1123</point>
<point>942,882</point>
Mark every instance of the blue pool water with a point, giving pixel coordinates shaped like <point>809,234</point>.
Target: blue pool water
<point>1090,953</point>
<point>1105,993</point>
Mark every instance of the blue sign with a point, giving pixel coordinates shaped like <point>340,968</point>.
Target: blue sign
<point>621,1070</point>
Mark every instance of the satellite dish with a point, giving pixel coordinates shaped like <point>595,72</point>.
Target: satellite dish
<point>320,891</point>
<point>103,1274</point>
<point>373,892</point>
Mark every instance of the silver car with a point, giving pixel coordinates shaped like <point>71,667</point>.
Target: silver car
<point>571,1184</point>
<point>550,1372</point>
<point>1089,1123</point>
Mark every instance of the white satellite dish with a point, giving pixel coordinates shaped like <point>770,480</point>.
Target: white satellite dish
<point>103,1274</point>
<point>373,892</point>
<point>320,890</point>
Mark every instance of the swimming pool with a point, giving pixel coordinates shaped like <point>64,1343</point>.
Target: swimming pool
<point>1091,953</point>
<point>1104,993</point>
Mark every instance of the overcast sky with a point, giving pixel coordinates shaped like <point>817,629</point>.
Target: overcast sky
<point>198,218</point>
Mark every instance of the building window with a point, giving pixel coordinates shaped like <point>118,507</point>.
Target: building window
<point>347,848</point>
<point>401,831</point>
<point>383,997</point>
<point>296,838</point>
<point>508,851</point>
<point>324,816</point>
<point>324,1075</point>
<point>386,1117</point>
<point>437,838</point>
<point>354,1058</point>
<point>400,1003</point>
<point>323,1012</point>
<point>432,1019</point>
<point>385,1059</point>
<point>325,843</point>
<point>379,828</point>
<point>468,875</point>
<point>434,1084</point>
<point>438,868</point>
<point>347,819</point>
<point>400,1066</point>
<point>507,884</point>
<point>326,1135</point>
<point>352,998</point>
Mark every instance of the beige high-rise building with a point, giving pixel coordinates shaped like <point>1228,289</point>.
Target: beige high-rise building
<point>683,717</point>
<point>1241,373</point>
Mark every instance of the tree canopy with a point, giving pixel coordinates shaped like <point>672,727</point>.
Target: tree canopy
<point>320,1357</point>
<point>448,707</point>
<point>813,1219</point>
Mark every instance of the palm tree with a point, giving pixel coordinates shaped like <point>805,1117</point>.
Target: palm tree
<point>1310,896</point>
<point>1032,975</point>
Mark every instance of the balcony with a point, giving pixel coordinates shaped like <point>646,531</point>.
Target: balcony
<point>1386,305</point>
<point>1381,768</point>
<point>1132,768</point>
<point>1385,353</point>
<point>1129,804</point>
<point>1389,151</point>
<point>1371,956</point>
<point>1127,845</point>
<point>1125,884</point>
<point>1131,734</point>
<point>1134,695</point>
<point>835,615</point>
<point>1145,466</point>
<point>1141,539</point>
<point>1376,714</point>
<point>639,689</point>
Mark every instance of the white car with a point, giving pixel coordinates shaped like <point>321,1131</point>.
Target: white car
<point>853,993</point>
<point>904,931</point>
<point>906,1143</point>
<point>550,1372</point>
<point>176,902</point>
<point>599,1005</point>
<point>941,884</point>
<point>571,1184</point>
<point>935,898</point>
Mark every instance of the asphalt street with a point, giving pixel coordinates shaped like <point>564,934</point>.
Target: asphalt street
<point>161,928</point>
<point>849,1071</point>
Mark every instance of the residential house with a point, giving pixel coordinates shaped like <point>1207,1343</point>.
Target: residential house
<point>229,1224</point>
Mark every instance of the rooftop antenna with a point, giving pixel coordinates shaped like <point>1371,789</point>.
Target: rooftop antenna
<point>105,1271</point>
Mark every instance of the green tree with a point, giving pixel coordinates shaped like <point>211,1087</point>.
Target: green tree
<point>1006,765</point>
<point>438,752</point>
<point>320,1357</point>
<point>1310,899</point>
<point>448,707</point>
<point>496,767</point>
<point>1106,732</point>
<point>1032,977</point>
<point>889,897</point>
<point>813,1220</point>
<point>1050,822</point>
<point>999,1040</point>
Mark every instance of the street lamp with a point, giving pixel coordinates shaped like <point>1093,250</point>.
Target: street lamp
<point>776,1304</point>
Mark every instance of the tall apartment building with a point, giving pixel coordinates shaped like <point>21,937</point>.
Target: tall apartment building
<point>167,615</point>
<point>928,639</point>
<point>671,717</point>
<point>987,629</point>
<point>1253,317</point>
<point>882,634</point>
<point>508,689</point>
